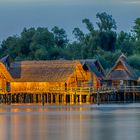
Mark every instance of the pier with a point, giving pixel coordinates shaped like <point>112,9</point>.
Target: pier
<point>67,82</point>
<point>81,95</point>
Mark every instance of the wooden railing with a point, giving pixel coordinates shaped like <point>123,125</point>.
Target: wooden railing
<point>82,90</point>
<point>120,89</point>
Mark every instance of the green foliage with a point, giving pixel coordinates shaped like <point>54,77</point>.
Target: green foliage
<point>79,35</point>
<point>107,40</point>
<point>103,43</point>
<point>125,43</point>
<point>60,37</point>
<point>106,22</point>
<point>107,58</point>
<point>137,47</point>
<point>10,46</point>
<point>89,25</point>
<point>136,28</point>
<point>41,53</point>
<point>134,60</point>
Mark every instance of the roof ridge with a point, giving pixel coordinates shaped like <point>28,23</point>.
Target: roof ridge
<point>128,68</point>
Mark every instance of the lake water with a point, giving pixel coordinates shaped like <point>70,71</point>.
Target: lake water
<point>65,122</point>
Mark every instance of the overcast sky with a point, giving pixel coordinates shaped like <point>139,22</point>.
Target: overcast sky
<point>17,14</point>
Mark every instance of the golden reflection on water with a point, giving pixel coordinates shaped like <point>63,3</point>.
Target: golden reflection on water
<point>68,123</point>
<point>40,122</point>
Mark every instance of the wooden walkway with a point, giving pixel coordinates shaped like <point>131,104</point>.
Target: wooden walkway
<point>73,95</point>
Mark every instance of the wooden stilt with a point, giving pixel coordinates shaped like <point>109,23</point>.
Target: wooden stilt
<point>108,98</point>
<point>124,97</point>
<point>57,98</point>
<point>80,98</point>
<point>46,97</point>
<point>9,99</point>
<point>36,98</point>
<point>72,98</point>
<point>0,99</point>
<point>51,98</point>
<point>64,98</point>
<point>98,98</point>
<point>87,98</point>
<point>43,102</point>
<point>5,100</point>
<point>134,97</point>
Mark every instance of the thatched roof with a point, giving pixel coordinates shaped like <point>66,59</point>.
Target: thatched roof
<point>49,71</point>
<point>125,73</point>
<point>6,61</point>
<point>42,71</point>
<point>4,67</point>
<point>94,66</point>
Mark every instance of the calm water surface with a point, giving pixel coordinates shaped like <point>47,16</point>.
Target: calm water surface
<point>79,122</point>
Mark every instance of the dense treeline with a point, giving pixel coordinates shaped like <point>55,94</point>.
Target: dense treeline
<point>103,43</point>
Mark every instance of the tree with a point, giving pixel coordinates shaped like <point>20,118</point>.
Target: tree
<point>41,54</point>
<point>106,35</point>
<point>26,39</point>
<point>79,35</point>
<point>44,37</point>
<point>60,36</point>
<point>136,28</point>
<point>107,40</point>
<point>76,50</point>
<point>125,43</point>
<point>89,25</point>
<point>134,61</point>
<point>103,43</point>
<point>106,22</point>
<point>10,46</point>
<point>136,31</point>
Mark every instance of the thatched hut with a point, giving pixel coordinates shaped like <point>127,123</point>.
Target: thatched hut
<point>122,74</point>
<point>5,77</point>
<point>95,72</point>
<point>54,78</point>
<point>38,76</point>
<point>45,75</point>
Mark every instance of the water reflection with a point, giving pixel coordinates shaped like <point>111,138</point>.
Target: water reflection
<point>69,123</point>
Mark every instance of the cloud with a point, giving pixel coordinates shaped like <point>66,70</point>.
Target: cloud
<point>133,2</point>
<point>41,1</point>
<point>56,2</point>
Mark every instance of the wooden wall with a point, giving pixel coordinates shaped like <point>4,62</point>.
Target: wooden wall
<point>79,78</point>
<point>3,82</point>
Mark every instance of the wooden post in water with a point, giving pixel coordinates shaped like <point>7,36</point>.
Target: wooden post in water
<point>124,94</point>
<point>5,98</point>
<point>51,97</point>
<point>9,99</point>
<point>98,98</point>
<point>43,99</point>
<point>64,98</point>
<point>46,98</point>
<point>80,98</point>
<point>57,98</point>
<point>75,96</point>
<point>115,96</point>
<point>108,98</point>
<point>0,98</point>
<point>134,97</point>
<point>36,98</point>
<point>72,99</point>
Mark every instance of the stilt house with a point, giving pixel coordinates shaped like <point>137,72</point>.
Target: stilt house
<point>122,74</point>
<point>46,76</point>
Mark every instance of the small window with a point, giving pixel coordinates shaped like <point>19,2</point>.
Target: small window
<point>8,86</point>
